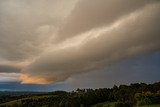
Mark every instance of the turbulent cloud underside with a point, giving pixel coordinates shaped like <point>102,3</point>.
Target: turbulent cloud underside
<point>49,41</point>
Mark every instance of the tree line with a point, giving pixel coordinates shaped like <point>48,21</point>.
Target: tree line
<point>123,95</point>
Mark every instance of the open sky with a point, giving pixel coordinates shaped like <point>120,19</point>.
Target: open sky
<point>50,45</point>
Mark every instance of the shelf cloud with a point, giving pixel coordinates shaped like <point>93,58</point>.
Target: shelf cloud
<point>49,41</point>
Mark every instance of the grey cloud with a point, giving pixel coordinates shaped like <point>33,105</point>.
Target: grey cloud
<point>9,69</point>
<point>144,68</point>
<point>90,14</point>
<point>136,34</point>
<point>104,31</point>
<point>9,77</point>
<point>22,25</point>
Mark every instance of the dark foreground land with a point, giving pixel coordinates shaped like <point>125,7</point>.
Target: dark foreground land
<point>133,95</point>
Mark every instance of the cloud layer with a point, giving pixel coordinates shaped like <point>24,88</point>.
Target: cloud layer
<point>52,40</point>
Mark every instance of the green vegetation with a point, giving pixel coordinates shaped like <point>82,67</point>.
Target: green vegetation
<point>105,104</point>
<point>112,104</point>
<point>134,95</point>
<point>21,101</point>
<point>155,105</point>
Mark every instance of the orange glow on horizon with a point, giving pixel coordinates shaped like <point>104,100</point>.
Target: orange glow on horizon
<point>26,79</point>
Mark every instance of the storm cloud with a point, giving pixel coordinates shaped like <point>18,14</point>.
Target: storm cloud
<point>52,40</point>
<point>9,69</point>
<point>89,14</point>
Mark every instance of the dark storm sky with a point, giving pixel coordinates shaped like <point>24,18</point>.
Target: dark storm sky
<point>64,44</point>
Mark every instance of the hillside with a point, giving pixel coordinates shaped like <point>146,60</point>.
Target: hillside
<point>133,95</point>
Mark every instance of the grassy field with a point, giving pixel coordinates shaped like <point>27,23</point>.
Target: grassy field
<point>19,102</point>
<point>156,105</point>
<point>11,103</point>
<point>111,104</point>
<point>105,104</point>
